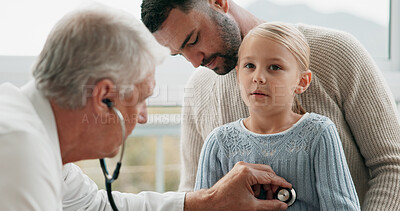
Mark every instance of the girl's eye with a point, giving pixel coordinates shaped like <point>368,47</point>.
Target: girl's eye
<point>274,67</point>
<point>250,66</point>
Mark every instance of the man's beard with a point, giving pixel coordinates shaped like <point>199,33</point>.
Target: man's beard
<point>229,62</point>
<point>231,39</point>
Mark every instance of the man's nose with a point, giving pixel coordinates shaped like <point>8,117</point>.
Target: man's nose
<point>142,115</point>
<point>193,56</point>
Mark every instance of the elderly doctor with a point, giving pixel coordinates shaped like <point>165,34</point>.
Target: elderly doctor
<point>97,64</point>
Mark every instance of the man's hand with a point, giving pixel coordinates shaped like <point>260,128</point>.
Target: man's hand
<point>234,191</point>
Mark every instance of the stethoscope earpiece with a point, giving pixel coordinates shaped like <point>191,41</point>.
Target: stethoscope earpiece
<point>107,102</point>
<point>286,195</point>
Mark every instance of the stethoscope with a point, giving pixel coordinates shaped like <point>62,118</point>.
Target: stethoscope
<point>108,178</point>
<point>287,195</point>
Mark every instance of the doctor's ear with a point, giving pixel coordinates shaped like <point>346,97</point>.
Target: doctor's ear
<point>219,5</point>
<point>304,83</point>
<point>103,96</point>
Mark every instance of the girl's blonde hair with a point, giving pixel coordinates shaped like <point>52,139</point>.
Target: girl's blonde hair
<point>290,37</point>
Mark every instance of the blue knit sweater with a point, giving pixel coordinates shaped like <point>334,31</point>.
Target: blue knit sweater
<point>308,155</point>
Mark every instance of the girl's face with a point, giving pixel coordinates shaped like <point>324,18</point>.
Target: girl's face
<point>268,74</point>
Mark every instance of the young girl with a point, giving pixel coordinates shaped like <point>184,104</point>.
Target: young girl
<point>304,148</point>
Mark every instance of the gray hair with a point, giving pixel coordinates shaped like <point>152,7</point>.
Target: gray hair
<point>92,44</point>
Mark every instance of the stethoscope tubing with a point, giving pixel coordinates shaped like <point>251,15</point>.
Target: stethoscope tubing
<point>108,178</point>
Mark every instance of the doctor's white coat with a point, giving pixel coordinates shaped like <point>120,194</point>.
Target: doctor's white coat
<point>32,174</point>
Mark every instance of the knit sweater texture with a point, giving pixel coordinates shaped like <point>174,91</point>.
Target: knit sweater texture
<point>309,155</point>
<point>346,86</point>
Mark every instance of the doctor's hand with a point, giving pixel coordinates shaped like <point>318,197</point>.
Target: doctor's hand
<point>234,191</point>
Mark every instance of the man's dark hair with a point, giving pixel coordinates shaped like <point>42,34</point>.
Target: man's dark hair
<point>155,12</point>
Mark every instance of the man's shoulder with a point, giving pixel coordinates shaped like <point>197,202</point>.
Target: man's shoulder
<point>16,111</point>
<point>313,32</point>
<point>21,129</point>
<point>30,161</point>
<point>21,132</point>
<point>333,50</point>
<point>11,97</point>
<point>18,117</point>
<point>330,40</point>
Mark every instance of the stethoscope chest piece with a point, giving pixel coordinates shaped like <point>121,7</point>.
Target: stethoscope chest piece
<point>285,195</point>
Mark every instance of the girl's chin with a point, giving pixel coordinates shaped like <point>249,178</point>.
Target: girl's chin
<point>266,107</point>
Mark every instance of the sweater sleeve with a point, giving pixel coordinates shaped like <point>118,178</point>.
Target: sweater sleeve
<point>371,114</point>
<point>335,187</point>
<point>209,170</point>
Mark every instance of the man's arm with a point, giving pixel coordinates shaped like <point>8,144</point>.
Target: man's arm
<point>81,193</point>
<point>370,112</point>
<point>349,88</point>
<point>232,192</point>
